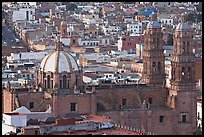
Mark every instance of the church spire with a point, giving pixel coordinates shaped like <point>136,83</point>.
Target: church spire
<point>153,16</point>
<point>183,18</point>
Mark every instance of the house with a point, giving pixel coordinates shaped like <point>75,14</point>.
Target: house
<point>129,42</point>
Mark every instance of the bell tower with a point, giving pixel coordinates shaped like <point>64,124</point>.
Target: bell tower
<point>153,57</point>
<point>182,93</point>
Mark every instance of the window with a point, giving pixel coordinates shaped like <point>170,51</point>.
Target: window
<point>27,15</point>
<point>159,66</point>
<point>150,100</point>
<point>189,72</point>
<point>157,42</point>
<point>45,83</point>
<point>74,41</point>
<point>161,119</point>
<point>51,83</point>
<point>31,105</point>
<point>73,106</point>
<point>124,101</point>
<point>183,72</point>
<point>60,83</point>
<point>183,118</point>
<point>153,66</point>
<point>48,81</point>
<point>183,48</point>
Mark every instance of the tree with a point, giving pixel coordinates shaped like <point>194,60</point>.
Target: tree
<point>70,6</point>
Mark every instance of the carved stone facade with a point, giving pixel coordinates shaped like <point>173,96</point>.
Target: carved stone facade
<point>151,106</point>
<point>153,57</point>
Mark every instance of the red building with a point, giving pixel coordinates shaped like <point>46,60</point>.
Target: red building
<point>129,42</point>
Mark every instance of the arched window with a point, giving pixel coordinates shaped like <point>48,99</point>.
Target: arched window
<point>51,83</point>
<point>183,48</point>
<point>45,82</point>
<point>64,79</point>
<point>182,72</point>
<point>60,83</point>
<point>189,72</point>
<point>159,66</point>
<point>67,83</point>
<point>188,48</point>
<point>157,42</point>
<point>154,67</point>
<point>48,81</point>
<point>51,74</point>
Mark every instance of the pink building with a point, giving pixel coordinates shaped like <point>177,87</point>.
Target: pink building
<point>129,42</point>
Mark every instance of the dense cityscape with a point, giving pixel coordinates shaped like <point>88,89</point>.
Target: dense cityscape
<point>101,68</point>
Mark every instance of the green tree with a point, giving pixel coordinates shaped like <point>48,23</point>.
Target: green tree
<point>70,6</point>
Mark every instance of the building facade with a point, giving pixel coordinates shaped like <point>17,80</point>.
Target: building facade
<point>148,106</point>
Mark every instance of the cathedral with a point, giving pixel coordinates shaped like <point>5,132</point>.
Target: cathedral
<point>148,106</point>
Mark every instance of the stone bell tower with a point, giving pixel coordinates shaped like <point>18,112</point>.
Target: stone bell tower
<point>182,94</point>
<point>153,58</point>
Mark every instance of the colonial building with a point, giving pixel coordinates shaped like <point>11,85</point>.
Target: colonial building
<point>148,106</point>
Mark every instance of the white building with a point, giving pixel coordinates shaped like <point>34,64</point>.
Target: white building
<point>27,3</point>
<point>135,28</point>
<point>128,19</point>
<point>111,29</point>
<point>90,42</point>
<point>98,57</point>
<point>27,56</point>
<point>26,13</point>
<point>167,21</point>
<point>15,119</point>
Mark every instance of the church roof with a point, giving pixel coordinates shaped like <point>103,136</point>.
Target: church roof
<point>59,61</point>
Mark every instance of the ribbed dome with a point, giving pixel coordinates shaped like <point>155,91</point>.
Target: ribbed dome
<point>153,24</point>
<point>183,27</point>
<point>59,61</point>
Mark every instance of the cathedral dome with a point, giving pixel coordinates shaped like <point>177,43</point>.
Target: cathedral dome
<point>59,61</point>
<point>153,23</point>
<point>183,26</point>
